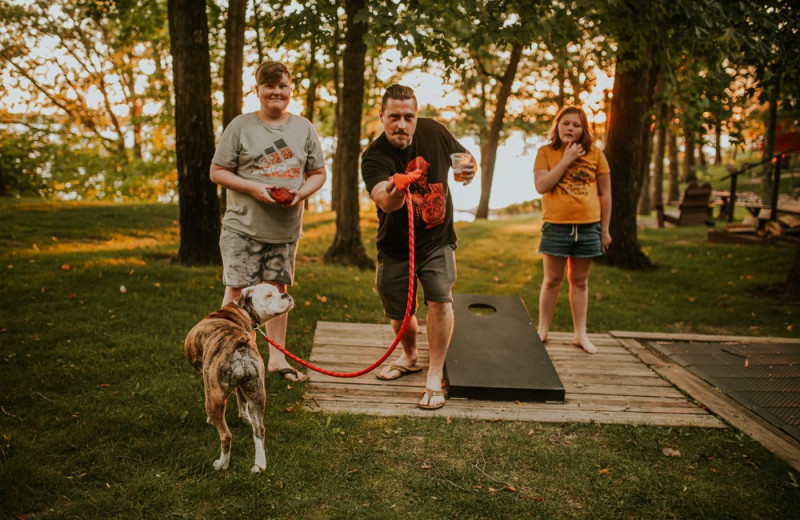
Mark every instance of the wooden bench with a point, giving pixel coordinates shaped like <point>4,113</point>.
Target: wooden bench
<point>694,208</point>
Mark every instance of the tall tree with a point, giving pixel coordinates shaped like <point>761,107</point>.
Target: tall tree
<point>624,152</point>
<point>234,60</point>
<point>347,247</point>
<point>490,144</point>
<point>194,133</point>
<point>232,69</point>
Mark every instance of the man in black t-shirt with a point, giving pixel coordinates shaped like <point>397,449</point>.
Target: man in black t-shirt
<point>412,145</point>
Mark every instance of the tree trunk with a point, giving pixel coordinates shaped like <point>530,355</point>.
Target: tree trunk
<point>672,146</point>
<point>347,247</point>
<point>701,156</point>
<point>234,60</point>
<point>4,190</point>
<point>232,70</point>
<point>311,93</point>
<point>689,145</point>
<point>624,152</point>
<point>718,145</point>
<point>769,141</point>
<point>488,160</point>
<point>257,27</point>
<point>194,133</point>
<point>661,145</point>
<point>337,90</point>
<point>645,204</point>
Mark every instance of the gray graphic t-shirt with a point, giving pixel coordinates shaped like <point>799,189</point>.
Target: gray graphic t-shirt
<point>278,155</point>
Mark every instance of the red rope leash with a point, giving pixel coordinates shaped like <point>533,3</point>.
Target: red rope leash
<point>372,367</point>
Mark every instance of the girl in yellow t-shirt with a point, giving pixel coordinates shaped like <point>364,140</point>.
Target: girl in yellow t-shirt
<point>573,177</point>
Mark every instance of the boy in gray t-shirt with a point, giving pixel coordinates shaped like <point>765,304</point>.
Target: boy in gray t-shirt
<point>266,149</point>
<point>272,155</point>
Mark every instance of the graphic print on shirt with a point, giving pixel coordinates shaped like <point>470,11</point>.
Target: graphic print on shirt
<point>430,199</point>
<point>575,183</point>
<point>277,161</point>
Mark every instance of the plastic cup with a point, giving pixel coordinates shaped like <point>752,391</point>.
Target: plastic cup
<point>459,161</point>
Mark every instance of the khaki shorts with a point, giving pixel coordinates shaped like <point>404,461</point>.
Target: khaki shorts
<point>247,261</point>
<point>436,272</point>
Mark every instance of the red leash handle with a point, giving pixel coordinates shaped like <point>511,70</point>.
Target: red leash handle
<point>372,367</point>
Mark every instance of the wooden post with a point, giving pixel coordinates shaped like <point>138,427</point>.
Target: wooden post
<point>776,185</point>
<point>732,200</point>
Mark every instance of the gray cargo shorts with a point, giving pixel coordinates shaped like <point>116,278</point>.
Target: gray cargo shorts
<point>247,261</point>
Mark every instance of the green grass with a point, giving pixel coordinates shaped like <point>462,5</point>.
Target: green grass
<point>102,417</point>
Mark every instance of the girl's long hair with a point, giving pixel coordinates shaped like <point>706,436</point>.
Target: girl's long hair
<point>587,138</point>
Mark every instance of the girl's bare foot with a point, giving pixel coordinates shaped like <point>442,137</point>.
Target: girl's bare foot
<point>585,344</point>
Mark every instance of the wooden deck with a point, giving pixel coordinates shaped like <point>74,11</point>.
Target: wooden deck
<point>614,386</point>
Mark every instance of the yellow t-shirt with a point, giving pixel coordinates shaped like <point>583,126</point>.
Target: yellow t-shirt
<point>574,200</point>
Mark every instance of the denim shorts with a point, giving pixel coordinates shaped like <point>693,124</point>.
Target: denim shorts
<point>575,240</point>
<point>247,261</point>
<point>436,272</point>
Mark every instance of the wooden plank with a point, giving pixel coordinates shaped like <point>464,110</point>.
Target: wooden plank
<point>555,415</point>
<point>656,336</point>
<point>410,398</point>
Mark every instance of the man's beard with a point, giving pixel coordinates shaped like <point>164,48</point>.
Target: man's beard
<point>402,145</point>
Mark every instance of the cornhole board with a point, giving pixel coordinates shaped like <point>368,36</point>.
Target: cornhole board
<point>496,354</point>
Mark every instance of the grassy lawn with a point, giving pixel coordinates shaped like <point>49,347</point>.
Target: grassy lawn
<point>102,417</point>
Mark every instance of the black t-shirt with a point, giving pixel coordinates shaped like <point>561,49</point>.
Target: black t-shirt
<point>432,143</point>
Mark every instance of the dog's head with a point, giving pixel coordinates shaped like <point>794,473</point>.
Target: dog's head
<point>264,302</point>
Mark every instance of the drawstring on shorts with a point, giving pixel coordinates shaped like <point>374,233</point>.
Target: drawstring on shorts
<point>574,232</point>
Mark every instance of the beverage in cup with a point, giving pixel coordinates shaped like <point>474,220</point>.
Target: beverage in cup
<point>459,161</point>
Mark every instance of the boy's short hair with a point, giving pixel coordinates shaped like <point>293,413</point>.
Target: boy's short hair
<point>399,92</point>
<point>271,72</point>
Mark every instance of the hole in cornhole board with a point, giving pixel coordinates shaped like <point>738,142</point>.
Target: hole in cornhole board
<point>496,353</point>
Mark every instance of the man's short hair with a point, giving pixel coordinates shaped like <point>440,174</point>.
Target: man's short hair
<point>399,92</point>
<point>271,72</point>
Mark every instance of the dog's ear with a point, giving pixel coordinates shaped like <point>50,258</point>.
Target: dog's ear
<point>246,301</point>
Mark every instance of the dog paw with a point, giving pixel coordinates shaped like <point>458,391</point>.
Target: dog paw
<point>257,470</point>
<point>220,464</point>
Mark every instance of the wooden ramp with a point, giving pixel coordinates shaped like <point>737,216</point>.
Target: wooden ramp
<point>614,386</point>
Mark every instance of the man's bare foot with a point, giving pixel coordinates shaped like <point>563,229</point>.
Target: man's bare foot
<point>542,335</point>
<point>585,344</point>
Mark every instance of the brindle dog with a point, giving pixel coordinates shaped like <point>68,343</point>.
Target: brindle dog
<point>222,346</point>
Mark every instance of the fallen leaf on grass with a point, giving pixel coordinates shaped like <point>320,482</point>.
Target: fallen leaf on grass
<point>671,452</point>
<point>706,457</point>
<point>123,289</point>
<point>65,267</point>
<point>604,471</point>
<point>509,487</point>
